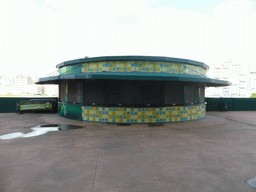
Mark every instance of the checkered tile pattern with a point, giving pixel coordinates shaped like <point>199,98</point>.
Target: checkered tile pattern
<point>142,66</point>
<point>143,115</point>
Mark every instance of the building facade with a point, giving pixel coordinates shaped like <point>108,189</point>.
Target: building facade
<point>242,77</point>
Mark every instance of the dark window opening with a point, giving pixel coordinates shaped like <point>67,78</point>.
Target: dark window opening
<point>74,92</point>
<point>120,93</point>
<point>62,91</point>
<point>149,93</point>
<point>191,94</point>
<point>202,94</point>
<point>173,93</point>
<point>93,92</point>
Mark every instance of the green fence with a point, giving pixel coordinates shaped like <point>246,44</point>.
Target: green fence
<point>233,104</point>
<point>8,104</point>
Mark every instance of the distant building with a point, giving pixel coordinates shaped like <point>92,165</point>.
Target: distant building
<point>241,75</point>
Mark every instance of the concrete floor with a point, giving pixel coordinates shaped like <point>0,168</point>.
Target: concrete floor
<point>212,154</point>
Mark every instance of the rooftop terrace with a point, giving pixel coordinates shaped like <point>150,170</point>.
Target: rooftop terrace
<point>216,153</point>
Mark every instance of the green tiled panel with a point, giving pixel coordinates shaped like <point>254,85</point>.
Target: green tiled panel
<point>130,66</point>
<point>142,115</point>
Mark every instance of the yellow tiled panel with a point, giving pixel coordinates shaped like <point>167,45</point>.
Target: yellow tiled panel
<point>142,114</point>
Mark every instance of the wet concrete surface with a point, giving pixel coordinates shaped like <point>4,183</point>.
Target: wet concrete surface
<point>211,154</point>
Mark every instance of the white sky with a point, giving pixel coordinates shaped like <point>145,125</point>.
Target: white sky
<point>36,35</point>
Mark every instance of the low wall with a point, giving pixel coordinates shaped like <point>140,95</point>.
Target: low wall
<point>8,104</point>
<point>233,104</point>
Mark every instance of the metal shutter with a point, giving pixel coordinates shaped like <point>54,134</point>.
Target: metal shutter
<point>173,93</point>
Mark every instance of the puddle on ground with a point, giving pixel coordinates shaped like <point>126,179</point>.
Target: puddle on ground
<point>39,130</point>
<point>252,182</point>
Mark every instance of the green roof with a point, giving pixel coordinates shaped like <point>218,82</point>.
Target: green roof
<point>132,58</point>
<point>136,76</point>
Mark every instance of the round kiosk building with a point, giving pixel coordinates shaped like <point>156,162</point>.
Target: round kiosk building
<point>132,89</point>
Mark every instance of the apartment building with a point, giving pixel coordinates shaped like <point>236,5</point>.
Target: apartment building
<point>241,75</point>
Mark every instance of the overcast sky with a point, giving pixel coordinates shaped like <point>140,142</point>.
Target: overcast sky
<point>36,35</point>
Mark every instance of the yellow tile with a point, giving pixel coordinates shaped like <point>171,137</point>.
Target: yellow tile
<point>139,117</point>
<point>110,116</point>
<point>100,115</point>
<point>139,68</point>
<point>128,117</point>
<point>143,113</point>
<point>117,116</point>
<point>181,115</point>
<point>124,113</point>
<point>146,116</point>
<point>94,119</point>
<point>129,69</point>
<point>173,116</point>
<point>158,69</point>
<point>90,115</point>
<point>150,109</point>
<point>150,120</point>
<point>114,64</point>
<point>121,120</point>
<point>143,64</point>
<point>113,113</point>
<point>121,69</point>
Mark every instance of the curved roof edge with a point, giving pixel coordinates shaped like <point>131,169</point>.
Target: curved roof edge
<point>131,58</point>
<point>137,76</point>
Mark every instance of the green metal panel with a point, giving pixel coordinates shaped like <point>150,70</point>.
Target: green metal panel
<point>233,104</point>
<point>8,104</point>
<point>244,104</point>
<point>71,111</point>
